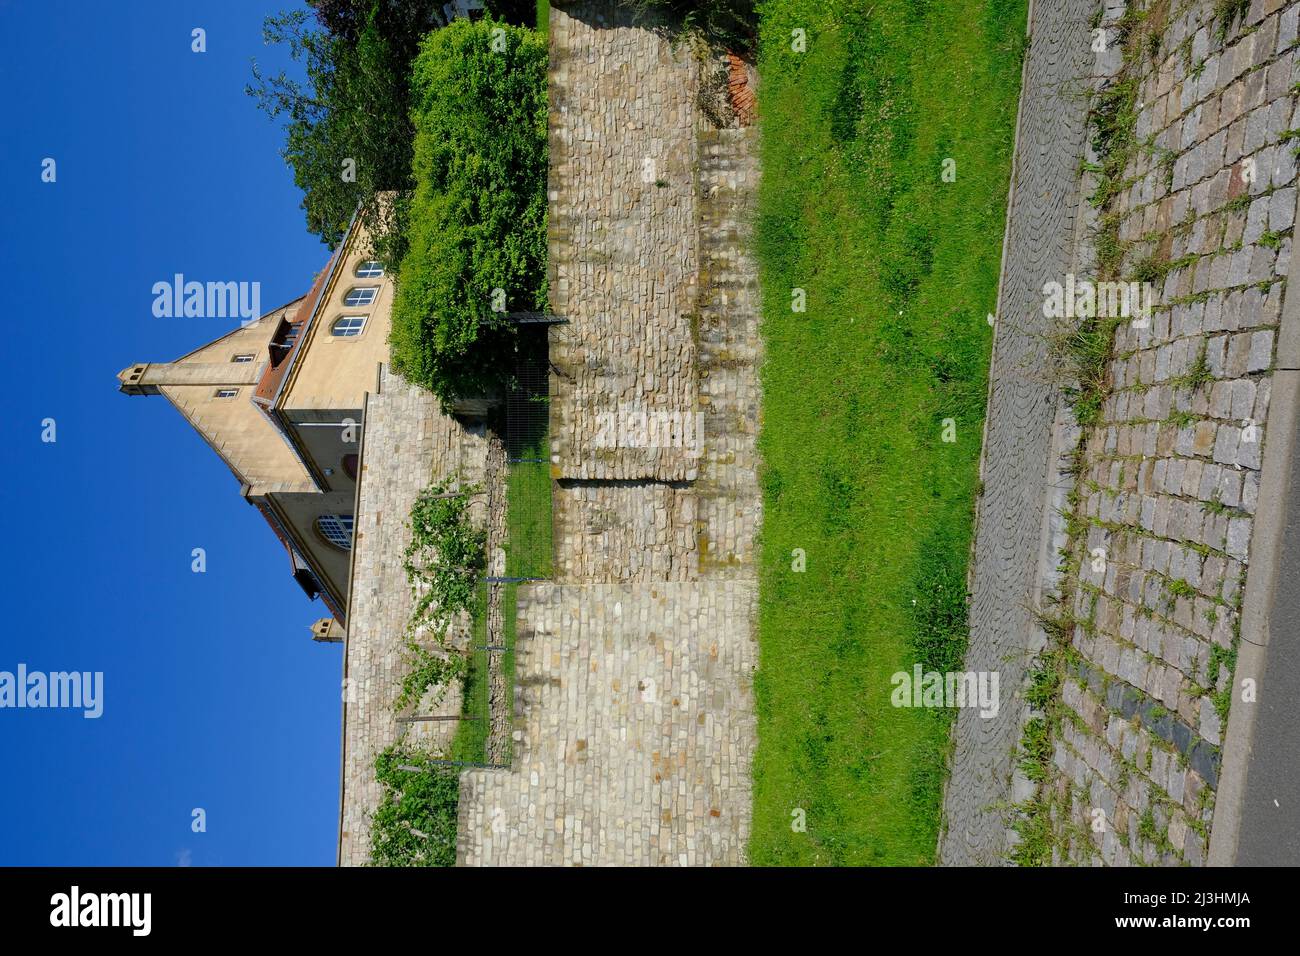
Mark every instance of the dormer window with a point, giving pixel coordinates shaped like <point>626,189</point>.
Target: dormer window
<point>226,393</point>
<point>361,295</point>
<point>337,530</point>
<point>282,342</point>
<point>370,270</point>
<point>245,357</point>
<point>348,325</point>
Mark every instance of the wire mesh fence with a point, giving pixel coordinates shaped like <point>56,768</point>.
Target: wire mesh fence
<point>483,736</point>
<point>528,457</point>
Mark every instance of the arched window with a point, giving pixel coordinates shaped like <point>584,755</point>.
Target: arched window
<point>348,325</point>
<point>337,530</point>
<point>350,466</point>
<point>361,295</point>
<point>370,270</point>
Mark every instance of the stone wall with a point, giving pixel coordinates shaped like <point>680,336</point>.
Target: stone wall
<point>407,443</point>
<point>667,530</point>
<point>729,351</point>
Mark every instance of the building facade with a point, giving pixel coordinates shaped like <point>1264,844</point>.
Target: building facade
<point>280,400</point>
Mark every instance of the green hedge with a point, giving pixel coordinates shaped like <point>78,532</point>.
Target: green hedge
<point>477,219</point>
<point>731,23</point>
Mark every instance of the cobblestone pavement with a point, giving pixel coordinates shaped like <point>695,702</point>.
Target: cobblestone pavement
<point>637,730</point>
<point>636,531</point>
<point>1018,433</point>
<point>1170,477</point>
<point>623,240</point>
<point>634,712</point>
<point>408,443</point>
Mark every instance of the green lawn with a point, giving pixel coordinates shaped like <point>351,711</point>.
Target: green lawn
<point>528,518</point>
<point>470,742</point>
<point>528,537</point>
<point>900,269</point>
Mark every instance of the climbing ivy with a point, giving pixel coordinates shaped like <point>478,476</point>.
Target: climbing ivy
<point>415,823</point>
<point>445,557</point>
<point>428,670</point>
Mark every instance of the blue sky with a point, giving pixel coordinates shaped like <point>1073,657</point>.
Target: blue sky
<point>214,694</point>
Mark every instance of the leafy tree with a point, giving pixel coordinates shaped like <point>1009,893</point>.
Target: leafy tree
<point>402,23</point>
<point>348,133</point>
<point>477,218</point>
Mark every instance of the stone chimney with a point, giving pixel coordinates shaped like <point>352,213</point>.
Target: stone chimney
<point>328,631</point>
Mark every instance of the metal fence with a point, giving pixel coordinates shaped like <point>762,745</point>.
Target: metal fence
<point>528,458</point>
<point>484,736</point>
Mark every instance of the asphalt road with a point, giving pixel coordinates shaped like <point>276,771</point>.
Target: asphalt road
<point>1270,812</point>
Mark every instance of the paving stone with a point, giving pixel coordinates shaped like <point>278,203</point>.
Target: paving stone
<point>1239,537</point>
<point>1261,352</point>
<point>1152,648</point>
